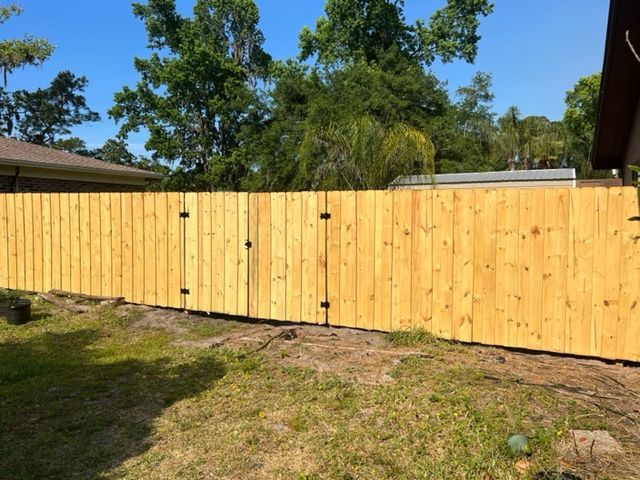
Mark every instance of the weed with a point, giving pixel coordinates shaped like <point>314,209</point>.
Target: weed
<point>416,337</point>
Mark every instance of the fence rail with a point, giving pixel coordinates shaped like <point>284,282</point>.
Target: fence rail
<point>555,270</point>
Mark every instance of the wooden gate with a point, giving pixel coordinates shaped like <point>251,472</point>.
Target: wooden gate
<point>287,267</point>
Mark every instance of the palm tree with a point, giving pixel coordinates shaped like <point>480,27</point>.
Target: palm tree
<point>531,142</point>
<point>545,143</point>
<point>509,139</point>
<point>364,154</point>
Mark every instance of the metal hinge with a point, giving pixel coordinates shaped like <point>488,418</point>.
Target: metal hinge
<point>325,216</point>
<point>184,214</point>
<point>248,244</point>
<point>185,291</point>
<point>325,305</point>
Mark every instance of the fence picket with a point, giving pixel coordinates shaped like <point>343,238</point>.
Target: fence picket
<point>463,258</point>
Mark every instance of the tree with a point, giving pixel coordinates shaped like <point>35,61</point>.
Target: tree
<point>531,142</point>
<point>509,140</point>
<point>364,154</point>
<point>73,145</point>
<point>466,133</point>
<point>580,121</point>
<point>363,30</point>
<point>543,143</point>
<point>42,116</point>
<point>7,113</point>
<point>474,115</point>
<point>369,63</point>
<point>197,89</point>
<point>18,53</point>
<point>306,100</point>
<point>115,151</point>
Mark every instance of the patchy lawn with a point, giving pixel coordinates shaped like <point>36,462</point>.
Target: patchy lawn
<point>134,392</point>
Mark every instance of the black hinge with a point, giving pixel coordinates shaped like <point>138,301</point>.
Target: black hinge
<point>325,304</point>
<point>248,244</point>
<point>185,291</point>
<point>184,214</point>
<point>325,216</point>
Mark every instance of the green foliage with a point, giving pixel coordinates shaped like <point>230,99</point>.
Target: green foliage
<point>365,30</point>
<point>18,53</point>
<point>582,107</point>
<point>415,337</point>
<point>43,115</point>
<point>474,113</point>
<point>197,89</point>
<point>452,30</point>
<point>509,138</point>
<point>199,98</point>
<point>356,109</point>
<point>636,170</point>
<point>9,297</point>
<point>115,151</point>
<point>72,145</point>
<point>580,121</point>
<point>306,101</point>
<point>465,136</point>
<point>47,113</point>
<point>530,142</point>
<point>362,154</point>
<point>544,143</point>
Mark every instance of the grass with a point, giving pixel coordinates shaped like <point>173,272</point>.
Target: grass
<point>89,396</point>
<point>414,337</point>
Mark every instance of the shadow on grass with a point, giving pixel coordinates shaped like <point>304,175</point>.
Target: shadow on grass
<point>38,316</point>
<point>67,412</point>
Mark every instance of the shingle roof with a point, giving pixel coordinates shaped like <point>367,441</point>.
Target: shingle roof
<point>487,177</point>
<point>24,154</point>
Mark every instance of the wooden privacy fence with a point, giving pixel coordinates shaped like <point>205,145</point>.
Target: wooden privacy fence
<point>555,270</point>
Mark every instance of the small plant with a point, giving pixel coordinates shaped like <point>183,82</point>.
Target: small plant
<point>8,298</point>
<point>414,337</point>
<point>636,169</point>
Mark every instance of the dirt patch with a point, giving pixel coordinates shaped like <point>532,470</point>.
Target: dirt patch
<point>359,356</point>
<point>189,329</point>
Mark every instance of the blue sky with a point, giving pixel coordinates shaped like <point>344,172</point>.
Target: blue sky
<point>535,49</point>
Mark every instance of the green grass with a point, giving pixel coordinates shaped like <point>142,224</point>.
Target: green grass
<point>202,328</point>
<point>88,396</point>
<point>415,337</point>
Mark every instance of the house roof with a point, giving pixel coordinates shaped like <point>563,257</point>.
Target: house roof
<point>16,153</point>
<point>620,87</point>
<point>556,174</point>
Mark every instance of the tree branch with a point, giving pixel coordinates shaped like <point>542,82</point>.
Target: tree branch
<point>633,50</point>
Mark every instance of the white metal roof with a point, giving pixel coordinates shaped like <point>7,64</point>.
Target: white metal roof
<point>556,174</point>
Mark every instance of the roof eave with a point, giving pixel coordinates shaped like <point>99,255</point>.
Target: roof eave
<point>596,161</point>
<point>619,88</point>
<point>69,168</point>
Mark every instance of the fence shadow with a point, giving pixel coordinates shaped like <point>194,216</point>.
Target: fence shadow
<point>64,414</point>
